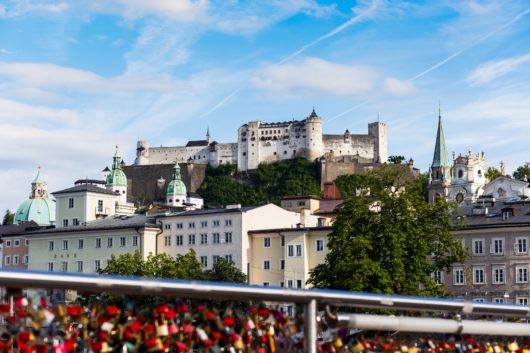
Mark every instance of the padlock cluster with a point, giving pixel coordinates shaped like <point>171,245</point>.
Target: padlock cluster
<point>164,327</point>
<point>377,343</point>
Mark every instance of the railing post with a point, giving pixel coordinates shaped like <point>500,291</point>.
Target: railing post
<point>310,326</point>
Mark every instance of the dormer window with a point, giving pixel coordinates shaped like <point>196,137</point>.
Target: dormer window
<point>507,213</point>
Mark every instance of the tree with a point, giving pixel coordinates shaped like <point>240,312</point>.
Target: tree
<point>165,266</point>
<point>225,271</point>
<point>8,218</point>
<point>493,173</point>
<point>389,239</point>
<point>522,171</point>
<point>396,159</point>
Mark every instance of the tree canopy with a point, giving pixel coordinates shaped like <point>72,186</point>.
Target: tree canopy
<point>396,159</point>
<point>387,238</point>
<point>268,183</point>
<point>164,266</point>
<point>522,171</point>
<point>8,218</point>
<point>492,173</point>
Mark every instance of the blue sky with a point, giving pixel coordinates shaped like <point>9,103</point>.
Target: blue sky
<point>78,77</point>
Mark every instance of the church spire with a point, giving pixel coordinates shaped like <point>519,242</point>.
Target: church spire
<point>440,151</point>
<point>208,134</point>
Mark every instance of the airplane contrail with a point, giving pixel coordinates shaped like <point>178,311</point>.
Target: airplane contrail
<point>358,18</point>
<point>449,58</point>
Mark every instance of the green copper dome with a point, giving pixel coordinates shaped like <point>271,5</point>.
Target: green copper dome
<point>176,186</point>
<point>38,208</point>
<point>40,211</point>
<point>116,176</point>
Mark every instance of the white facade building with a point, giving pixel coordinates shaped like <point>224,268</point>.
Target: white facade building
<point>259,142</point>
<point>223,232</point>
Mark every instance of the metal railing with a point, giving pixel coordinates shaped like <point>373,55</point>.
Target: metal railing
<point>224,291</point>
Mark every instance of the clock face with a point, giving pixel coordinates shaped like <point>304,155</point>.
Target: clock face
<point>459,197</point>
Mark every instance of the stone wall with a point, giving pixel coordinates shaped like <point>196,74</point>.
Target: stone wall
<point>148,183</point>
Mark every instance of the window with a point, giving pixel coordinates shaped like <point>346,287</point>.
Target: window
<point>75,221</point>
<point>228,258</point>
<point>167,240</point>
<point>204,224</point>
<point>228,222</point>
<point>266,242</point>
<point>507,214</point>
<point>216,238</point>
<point>298,250</point>
<point>320,245</point>
<point>521,245</point>
<point>27,242</point>
<point>299,283</point>
<point>478,300</point>
<point>478,275</point>
<point>97,265</point>
<point>64,267</point>
<point>50,266</point>
<point>179,226</point>
<point>179,240</point>
<point>191,239</point>
<point>497,273</point>
<point>498,300</point>
<point>215,258</point>
<point>100,205</point>
<point>497,246</point>
<point>282,241</point>
<point>167,226</point>
<point>8,243</point>
<point>265,284</point>
<point>290,283</point>
<point>16,243</point>
<point>204,261</point>
<point>65,223</point>
<point>79,266</point>
<point>301,203</point>
<point>51,245</point>
<point>98,243</point>
<point>436,276</point>
<point>191,225</point>
<point>123,241</point>
<point>521,273</point>
<point>8,260</point>
<point>266,265</point>
<point>109,242</point>
<point>282,264</point>
<point>522,300</point>
<point>15,259</point>
<point>216,223</point>
<point>290,250</point>
<point>80,243</point>
<point>135,241</point>
<point>71,202</point>
<point>478,247</point>
<point>228,237</point>
<point>26,259</point>
<point>204,239</point>
<point>65,244</point>
<point>458,276</point>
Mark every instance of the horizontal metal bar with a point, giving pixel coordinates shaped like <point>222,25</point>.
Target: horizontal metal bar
<point>226,291</point>
<point>431,325</point>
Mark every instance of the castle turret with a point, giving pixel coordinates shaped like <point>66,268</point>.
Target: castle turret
<point>142,153</point>
<point>116,180</point>
<point>176,190</point>
<point>314,144</point>
<point>378,131</point>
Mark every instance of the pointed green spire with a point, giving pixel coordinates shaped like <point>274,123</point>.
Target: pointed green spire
<point>208,134</point>
<point>440,151</point>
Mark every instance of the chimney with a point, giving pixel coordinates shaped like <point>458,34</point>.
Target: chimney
<point>302,217</point>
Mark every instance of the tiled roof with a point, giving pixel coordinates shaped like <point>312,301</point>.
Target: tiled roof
<point>197,143</point>
<point>84,187</point>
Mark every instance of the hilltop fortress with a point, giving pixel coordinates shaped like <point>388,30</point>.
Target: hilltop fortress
<point>259,142</point>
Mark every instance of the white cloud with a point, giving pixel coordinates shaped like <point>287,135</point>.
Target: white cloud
<point>492,70</point>
<point>44,75</point>
<point>315,75</point>
<point>398,87</point>
<point>16,8</point>
<point>35,115</point>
